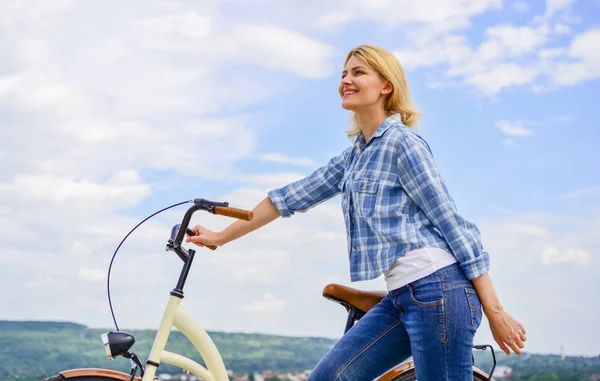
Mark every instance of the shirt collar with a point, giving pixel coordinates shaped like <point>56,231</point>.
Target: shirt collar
<point>360,142</point>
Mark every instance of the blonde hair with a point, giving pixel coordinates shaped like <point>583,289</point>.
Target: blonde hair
<point>399,100</point>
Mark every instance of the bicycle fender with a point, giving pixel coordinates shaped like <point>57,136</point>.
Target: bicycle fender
<point>97,372</point>
<point>396,371</point>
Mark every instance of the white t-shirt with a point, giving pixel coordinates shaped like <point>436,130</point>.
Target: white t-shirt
<point>415,265</point>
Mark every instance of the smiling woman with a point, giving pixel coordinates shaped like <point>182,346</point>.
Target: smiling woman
<point>379,66</point>
<point>402,223</point>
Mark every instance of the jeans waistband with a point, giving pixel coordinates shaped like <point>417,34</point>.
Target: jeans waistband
<point>450,269</point>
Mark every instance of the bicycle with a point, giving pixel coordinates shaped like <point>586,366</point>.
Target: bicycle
<point>118,343</point>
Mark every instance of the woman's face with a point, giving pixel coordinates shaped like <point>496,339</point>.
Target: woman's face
<point>362,86</point>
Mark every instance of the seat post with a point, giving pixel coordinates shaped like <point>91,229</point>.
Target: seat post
<point>353,315</point>
<point>351,318</point>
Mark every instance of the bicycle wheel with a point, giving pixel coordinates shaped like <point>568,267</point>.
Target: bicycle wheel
<point>411,375</point>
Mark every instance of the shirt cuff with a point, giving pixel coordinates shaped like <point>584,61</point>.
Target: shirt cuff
<point>278,199</point>
<point>476,267</point>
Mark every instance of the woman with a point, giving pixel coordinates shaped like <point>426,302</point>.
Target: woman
<point>400,222</point>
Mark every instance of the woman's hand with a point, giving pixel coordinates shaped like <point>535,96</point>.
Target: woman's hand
<point>205,237</point>
<point>507,331</point>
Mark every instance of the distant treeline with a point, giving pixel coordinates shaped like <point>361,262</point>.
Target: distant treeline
<point>34,350</point>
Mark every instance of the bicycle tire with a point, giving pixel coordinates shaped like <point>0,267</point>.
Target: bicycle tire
<point>411,375</point>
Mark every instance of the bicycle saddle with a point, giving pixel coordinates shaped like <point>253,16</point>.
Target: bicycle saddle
<point>351,297</point>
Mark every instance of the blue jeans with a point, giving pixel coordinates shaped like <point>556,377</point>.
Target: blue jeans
<point>433,319</point>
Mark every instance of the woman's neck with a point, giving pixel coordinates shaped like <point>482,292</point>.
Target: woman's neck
<point>370,120</point>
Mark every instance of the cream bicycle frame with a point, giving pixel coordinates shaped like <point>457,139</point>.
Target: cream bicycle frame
<point>176,316</point>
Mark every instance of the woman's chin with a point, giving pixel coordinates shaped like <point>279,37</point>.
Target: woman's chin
<point>347,106</point>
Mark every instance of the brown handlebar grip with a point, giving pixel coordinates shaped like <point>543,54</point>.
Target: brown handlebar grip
<point>212,247</point>
<point>234,212</point>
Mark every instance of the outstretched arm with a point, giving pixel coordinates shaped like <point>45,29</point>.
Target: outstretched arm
<point>298,196</point>
<point>264,213</point>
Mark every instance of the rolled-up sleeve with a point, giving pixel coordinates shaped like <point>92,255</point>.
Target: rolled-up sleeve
<point>308,192</point>
<point>423,183</point>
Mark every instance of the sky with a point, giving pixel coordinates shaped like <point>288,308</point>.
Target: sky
<point>111,110</point>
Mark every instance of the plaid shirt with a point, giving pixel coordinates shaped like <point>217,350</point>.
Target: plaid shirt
<point>393,199</point>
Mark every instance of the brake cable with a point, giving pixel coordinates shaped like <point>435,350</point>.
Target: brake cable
<point>118,247</point>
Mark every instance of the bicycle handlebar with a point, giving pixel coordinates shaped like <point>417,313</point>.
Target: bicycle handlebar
<point>241,214</point>
<point>220,208</point>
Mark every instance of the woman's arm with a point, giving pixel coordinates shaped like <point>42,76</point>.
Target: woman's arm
<point>507,331</point>
<point>298,196</point>
<point>423,183</point>
<point>264,213</point>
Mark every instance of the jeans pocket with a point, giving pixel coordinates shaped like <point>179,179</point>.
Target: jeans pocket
<point>474,307</point>
<point>429,294</point>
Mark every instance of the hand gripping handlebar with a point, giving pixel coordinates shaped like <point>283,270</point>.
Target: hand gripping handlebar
<point>220,208</point>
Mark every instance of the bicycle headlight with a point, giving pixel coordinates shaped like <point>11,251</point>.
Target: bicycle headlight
<point>117,343</point>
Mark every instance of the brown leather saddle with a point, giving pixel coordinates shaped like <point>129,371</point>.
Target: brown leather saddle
<point>356,302</point>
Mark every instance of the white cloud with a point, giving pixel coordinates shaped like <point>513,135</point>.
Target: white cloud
<point>259,267</point>
<point>529,230</point>
<point>450,49</point>
<point>520,6</point>
<point>281,158</point>
<point>273,180</point>
<point>488,67</point>
<point>553,6</point>
<point>137,91</point>
<point>278,48</point>
<point>585,60</point>
<point>553,256</point>
<point>500,77</point>
<point>448,15</point>
<point>267,304</point>
<point>125,188</point>
<point>91,275</point>
<point>562,29</point>
<point>513,128</point>
<point>510,41</point>
<point>106,105</point>
<point>508,56</point>
<point>47,283</point>
<point>191,25</point>
<point>551,53</point>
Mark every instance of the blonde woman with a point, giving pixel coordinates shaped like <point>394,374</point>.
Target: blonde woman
<point>402,223</point>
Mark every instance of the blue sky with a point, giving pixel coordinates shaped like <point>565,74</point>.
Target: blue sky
<point>110,111</point>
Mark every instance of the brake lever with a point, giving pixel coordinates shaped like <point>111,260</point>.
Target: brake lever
<point>176,228</point>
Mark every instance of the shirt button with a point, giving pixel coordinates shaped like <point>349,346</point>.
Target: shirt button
<point>362,187</point>
<point>352,221</point>
<point>354,249</point>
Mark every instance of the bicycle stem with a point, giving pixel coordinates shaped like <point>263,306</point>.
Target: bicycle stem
<point>178,290</point>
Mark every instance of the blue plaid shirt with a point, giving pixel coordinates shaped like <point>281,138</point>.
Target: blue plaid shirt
<point>393,199</point>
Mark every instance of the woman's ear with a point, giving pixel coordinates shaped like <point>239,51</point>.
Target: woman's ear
<point>388,88</point>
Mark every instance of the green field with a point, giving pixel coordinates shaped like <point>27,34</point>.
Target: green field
<point>34,350</point>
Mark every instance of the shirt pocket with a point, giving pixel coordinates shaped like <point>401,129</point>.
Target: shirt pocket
<point>364,194</point>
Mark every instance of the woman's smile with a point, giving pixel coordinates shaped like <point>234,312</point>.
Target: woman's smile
<point>348,92</point>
